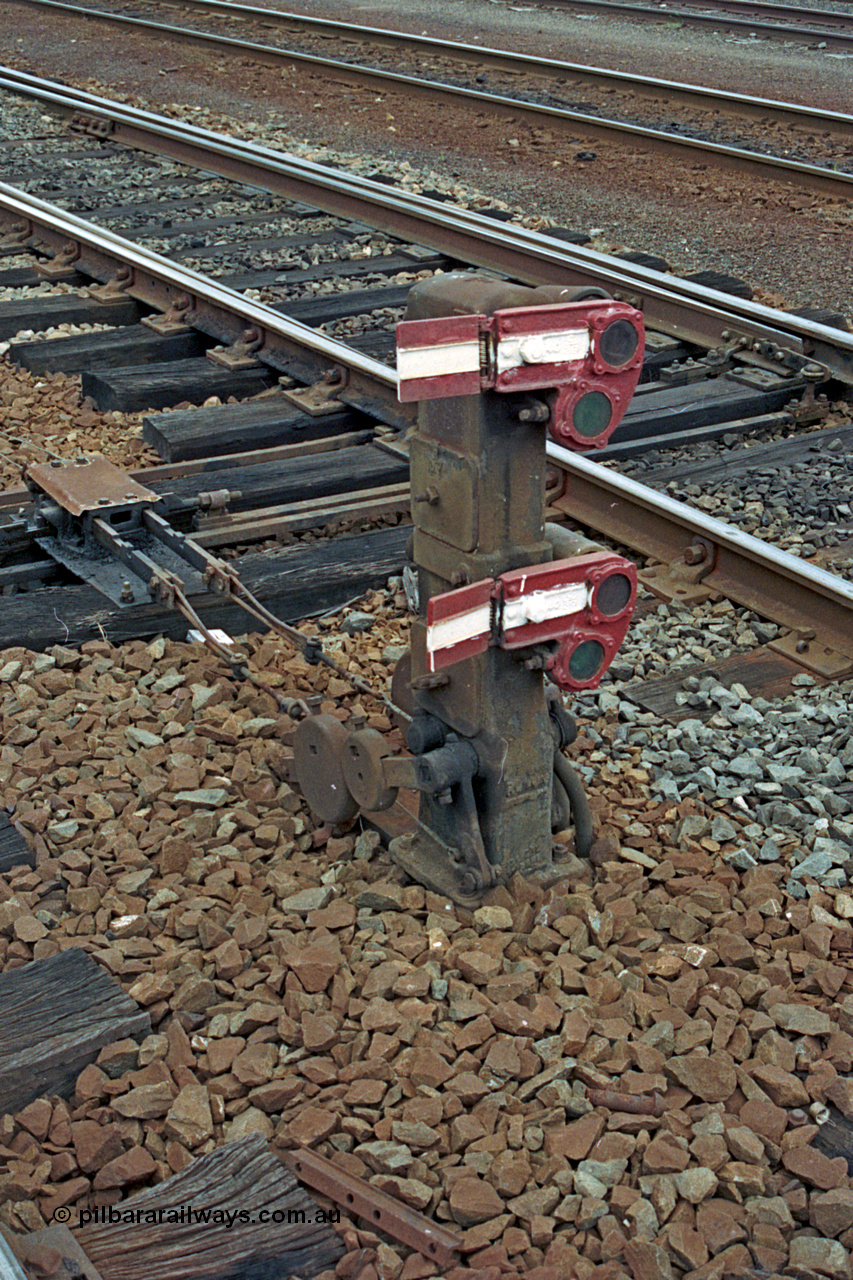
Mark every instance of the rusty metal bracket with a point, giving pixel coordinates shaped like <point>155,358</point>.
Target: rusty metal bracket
<point>376,1207</point>
<point>803,646</point>
<point>17,237</point>
<point>175,320</point>
<point>681,580</point>
<point>811,407</point>
<point>322,397</point>
<point>114,290</point>
<point>683,372</point>
<point>95,126</point>
<point>61,265</point>
<point>241,354</point>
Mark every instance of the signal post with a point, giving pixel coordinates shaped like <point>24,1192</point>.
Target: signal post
<point>504,619</point>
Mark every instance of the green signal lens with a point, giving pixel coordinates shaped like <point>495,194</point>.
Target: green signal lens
<point>612,595</point>
<point>618,343</point>
<point>591,415</point>
<point>587,660</point>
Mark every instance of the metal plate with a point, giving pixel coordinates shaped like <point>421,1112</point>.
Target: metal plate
<point>427,860</point>
<point>452,480</point>
<point>361,762</point>
<point>93,485</point>
<point>317,747</point>
<point>95,565</point>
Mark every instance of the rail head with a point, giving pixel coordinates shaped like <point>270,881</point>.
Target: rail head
<point>772,582</point>
<point>679,307</point>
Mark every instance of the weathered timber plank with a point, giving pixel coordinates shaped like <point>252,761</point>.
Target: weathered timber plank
<point>55,1017</point>
<point>350,268</point>
<point>291,581</point>
<point>159,386</point>
<point>45,312</point>
<point>297,479</point>
<point>660,410</point>
<point>691,435</point>
<point>762,671</point>
<point>241,1178</point>
<point>107,349</point>
<point>779,454</point>
<point>337,306</point>
<point>236,428</point>
<point>379,344</point>
<point>14,850</point>
<point>835,1138</point>
<point>26,277</point>
<point>267,244</point>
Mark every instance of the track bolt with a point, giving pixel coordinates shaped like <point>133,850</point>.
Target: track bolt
<point>459,577</point>
<point>429,496</point>
<point>436,681</point>
<point>696,553</point>
<point>534,413</point>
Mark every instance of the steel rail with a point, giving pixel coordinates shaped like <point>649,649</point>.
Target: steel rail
<point>829,17</point>
<point>810,177</point>
<point>516,63</point>
<point>677,307</point>
<point>772,582</point>
<point>720,21</point>
<point>192,298</point>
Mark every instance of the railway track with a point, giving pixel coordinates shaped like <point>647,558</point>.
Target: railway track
<point>824,27</point>
<point>531,90</point>
<point>290,990</point>
<point>768,362</point>
<point>681,308</point>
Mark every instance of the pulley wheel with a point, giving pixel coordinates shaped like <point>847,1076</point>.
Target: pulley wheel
<point>317,747</point>
<point>361,759</point>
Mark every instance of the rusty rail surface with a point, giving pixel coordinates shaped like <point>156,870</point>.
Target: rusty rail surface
<point>813,603</point>
<point>681,308</point>
<point>810,177</point>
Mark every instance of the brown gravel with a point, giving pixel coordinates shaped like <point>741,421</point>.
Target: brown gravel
<point>47,416</point>
<point>299,990</point>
